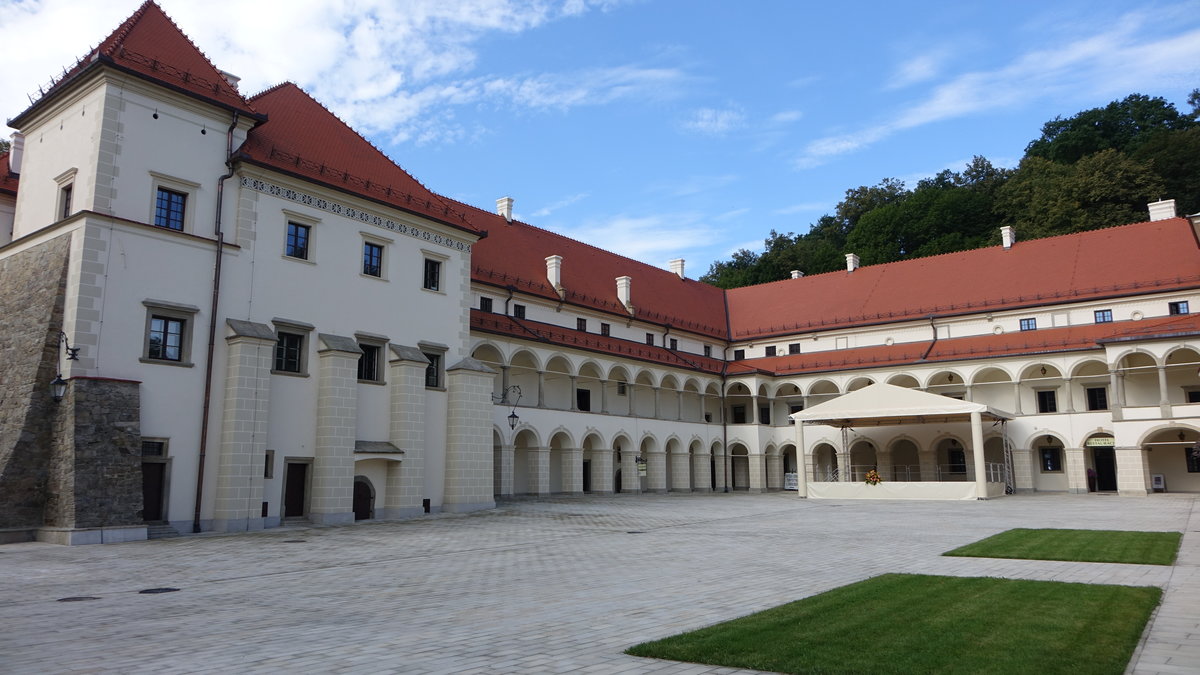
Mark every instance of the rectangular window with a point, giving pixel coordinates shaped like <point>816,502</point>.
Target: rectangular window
<point>764,415</point>
<point>1097,398</point>
<point>269,465</point>
<point>794,348</point>
<point>433,372</point>
<point>297,241</point>
<point>485,304</point>
<point>518,311</point>
<point>1180,307</point>
<point>1051,459</point>
<point>1028,324</point>
<point>1047,401</point>
<point>1192,457</point>
<point>583,400</point>
<point>289,353</point>
<point>368,363</point>
<point>166,338</point>
<point>674,344</point>
<point>621,389</point>
<point>1192,395</point>
<point>154,448</point>
<point>64,198</point>
<point>372,264</point>
<point>650,339</point>
<point>739,354</point>
<point>771,351</point>
<point>604,329</point>
<point>169,208</point>
<point>794,408</point>
<point>433,275</point>
<point>708,351</point>
<point>1103,316</point>
<point>738,412</point>
<point>581,324</point>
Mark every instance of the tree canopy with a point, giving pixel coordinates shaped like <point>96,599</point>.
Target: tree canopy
<point>1098,168</point>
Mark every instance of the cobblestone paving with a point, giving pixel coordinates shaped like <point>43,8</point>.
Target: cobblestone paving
<point>560,585</point>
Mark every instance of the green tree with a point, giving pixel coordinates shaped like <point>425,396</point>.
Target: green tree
<point>4,145</point>
<point>1121,125</point>
<point>1045,198</point>
<point>1175,157</point>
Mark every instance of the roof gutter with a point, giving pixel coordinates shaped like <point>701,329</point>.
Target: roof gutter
<point>205,410</point>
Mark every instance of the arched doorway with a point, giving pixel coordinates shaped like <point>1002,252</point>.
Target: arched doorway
<point>364,498</point>
<point>824,463</point>
<point>1101,458</point>
<point>739,467</point>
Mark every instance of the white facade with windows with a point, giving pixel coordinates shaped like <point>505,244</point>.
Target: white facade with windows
<point>376,353</point>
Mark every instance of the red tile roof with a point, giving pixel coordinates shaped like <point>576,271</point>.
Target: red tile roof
<point>303,138</point>
<point>8,179</point>
<point>514,254</point>
<point>524,329</point>
<point>1024,343</point>
<point>150,45</point>
<point>1154,256</point>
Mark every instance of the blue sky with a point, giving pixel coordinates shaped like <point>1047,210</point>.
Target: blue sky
<point>666,128</point>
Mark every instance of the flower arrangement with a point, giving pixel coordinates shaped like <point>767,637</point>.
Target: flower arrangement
<point>873,478</point>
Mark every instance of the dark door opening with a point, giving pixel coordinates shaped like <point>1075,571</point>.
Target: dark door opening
<point>295,484</point>
<point>363,500</point>
<point>1105,460</point>
<point>712,480</point>
<point>153,490</point>
<point>587,475</point>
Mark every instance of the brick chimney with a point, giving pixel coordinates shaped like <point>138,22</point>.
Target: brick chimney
<point>1162,209</point>
<point>504,207</point>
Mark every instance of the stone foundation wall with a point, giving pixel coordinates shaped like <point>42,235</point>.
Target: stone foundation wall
<point>32,288</point>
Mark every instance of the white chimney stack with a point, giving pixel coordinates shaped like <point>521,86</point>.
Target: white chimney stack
<point>230,78</point>
<point>677,267</point>
<point>504,207</point>
<point>1008,236</point>
<point>851,262</point>
<point>796,274</point>
<point>1162,209</point>
<point>624,285</point>
<point>16,151</point>
<point>554,271</point>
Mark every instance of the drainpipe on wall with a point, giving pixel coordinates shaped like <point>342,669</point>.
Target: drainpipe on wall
<point>212,321</point>
<point>935,339</point>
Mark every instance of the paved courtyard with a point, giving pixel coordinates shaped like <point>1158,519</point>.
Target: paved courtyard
<point>559,585</point>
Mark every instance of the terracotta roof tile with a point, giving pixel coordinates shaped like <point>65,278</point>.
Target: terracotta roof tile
<point>514,254</point>
<point>1024,343</point>
<point>501,324</point>
<point>303,138</point>
<point>8,179</point>
<point>1153,256</point>
<point>151,46</point>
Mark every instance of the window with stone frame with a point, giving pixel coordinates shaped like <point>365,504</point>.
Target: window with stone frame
<point>1047,400</point>
<point>518,311</point>
<point>170,207</point>
<point>296,243</point>
<point>485,304</point>
<point>433,275</point>
<point>289,353</point>
<point>1050,459</point>
<point>1104,316</point>
<point>370,362</point>
<point>372,259</point>
<point>1097,398</point>
<point>435,372</point>
<point>168,333</point>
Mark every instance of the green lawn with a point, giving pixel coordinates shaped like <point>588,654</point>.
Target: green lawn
<point>906,623</point>
<point>1110,546</point>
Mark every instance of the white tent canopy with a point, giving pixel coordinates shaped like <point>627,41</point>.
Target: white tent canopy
<point>881,404</point>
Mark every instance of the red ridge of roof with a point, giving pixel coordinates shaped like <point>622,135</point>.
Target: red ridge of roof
<point>149,44</point>
<point>1024,343</point>
<point>543,332</point>
<point>514,254</point>
<point>1159,255</point>
<point>303,138</point>
<point>8,179</point>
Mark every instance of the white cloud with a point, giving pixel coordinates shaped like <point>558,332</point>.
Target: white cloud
<point>555,206</point>
<point>654,238</point>
<point>692,185</point>
<point>382,66</point>
<point>714,121</point>
<point>919,68</point>
<point>787,116</point>
<point>1113,62</point>
<point>806,207</point>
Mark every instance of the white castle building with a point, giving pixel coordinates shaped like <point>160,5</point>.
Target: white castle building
<point>252,315</point>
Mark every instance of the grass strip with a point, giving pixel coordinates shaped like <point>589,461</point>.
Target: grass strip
<point>1108,546</point>
<point>908,623</point>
